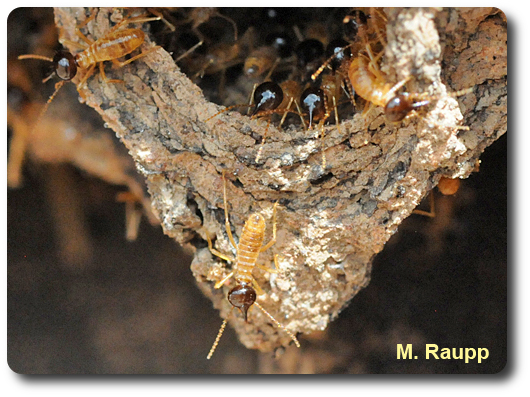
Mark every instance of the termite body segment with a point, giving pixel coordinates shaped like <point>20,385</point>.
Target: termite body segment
<point>116,43</point>
<point>244,294</point>
<point>370,84</point>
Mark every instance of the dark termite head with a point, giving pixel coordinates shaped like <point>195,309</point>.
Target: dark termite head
<point>400,106</point>
<point>397,108</point>
<point>354,22</point>
<point>281,42</point>
<point>312,101</point>
<point>242,296</point>
<point>309,54</point>
<point>65,65</point>
<point>337,51</point>
<point>268,96</point>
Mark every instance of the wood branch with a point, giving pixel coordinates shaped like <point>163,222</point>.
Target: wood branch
<point>332,222</point>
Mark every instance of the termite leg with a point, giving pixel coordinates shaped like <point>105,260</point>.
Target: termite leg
<point>231,21</point>
<point>372,65</point>
<point>83,81</point>
<point>256,286</point>
<point>337,121</point>
<point>227,220</point>
<point>138,19</point>
<point>268,269</point>
<point>286,111</point>
<point>278,324</point>
<point>134,58</point>
<point>162,18</point>
<point>274,65</point>
<point>431,213</point>
<point>273,240</point>
<point>82,24</point>
<point>219,284</point>
<point>300,114</point>
<point>390,94</point>
<point>215,252</point>
<point>251,101</point>
<point>104,76</point>
<point>133,214</point>
<point>258,155</point>
<point>189,51</point>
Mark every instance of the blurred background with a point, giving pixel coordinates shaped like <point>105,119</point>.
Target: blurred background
<point>86,298</point>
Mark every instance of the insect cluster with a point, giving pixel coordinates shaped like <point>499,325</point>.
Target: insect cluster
<point>295,70</point>
<point>290,70</point>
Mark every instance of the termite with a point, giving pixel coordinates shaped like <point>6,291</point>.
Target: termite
<point>309,54</point>
<point>116,43</point>
<point>367,81</point>
<point>269,98</point>
<point>446,186</point>
<point>261,60</point>
<point>315,102</point>
<point>201,15</point>
<point>318,102</point>
<point>286,94</point>
<point>219,57</point>
<point>244,294</point>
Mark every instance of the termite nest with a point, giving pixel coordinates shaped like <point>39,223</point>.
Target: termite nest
<point>346,164</point>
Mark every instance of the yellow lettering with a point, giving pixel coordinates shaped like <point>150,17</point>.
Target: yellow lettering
<point>431,349</point>
<point>404,353</point>
<point>470,350</point>
<point>446,353</point>
<point>480,356</point>
<point>460,356</point>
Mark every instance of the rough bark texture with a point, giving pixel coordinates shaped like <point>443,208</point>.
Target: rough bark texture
<point>332,222</point>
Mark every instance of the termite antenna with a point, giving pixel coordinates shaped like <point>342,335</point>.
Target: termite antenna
<point>189,51</point>
<point>58,86</point>
<point>458,93</point>
<point>231,21</point>
<point>34,56</point>
<point>328,61</point>
<point>258,155</point>
<point>322,134</point>
<point>226,110</point>
<point>219,334</point>
<point>278,324</point>
<point>41,58</point>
